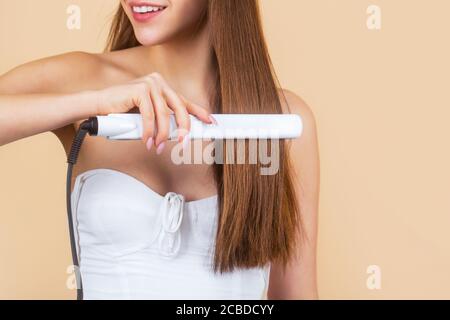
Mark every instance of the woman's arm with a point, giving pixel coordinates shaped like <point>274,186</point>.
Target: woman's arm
<point>300,280</point>
<point>39,96</point>
<point>23,116</point>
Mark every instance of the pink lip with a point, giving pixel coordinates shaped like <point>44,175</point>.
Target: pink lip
<point>144,17</point>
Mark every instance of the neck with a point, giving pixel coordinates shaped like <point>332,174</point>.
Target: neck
<point>187,65</point>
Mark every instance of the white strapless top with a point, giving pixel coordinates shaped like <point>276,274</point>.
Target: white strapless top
<point>133,243</point>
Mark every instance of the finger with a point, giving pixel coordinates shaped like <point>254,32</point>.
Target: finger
<point>181,113</point>
<point>201,113</point>
<point>161,111</point>
<point>145,106</point>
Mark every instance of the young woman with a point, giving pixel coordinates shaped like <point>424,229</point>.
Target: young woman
<point>147,228</point>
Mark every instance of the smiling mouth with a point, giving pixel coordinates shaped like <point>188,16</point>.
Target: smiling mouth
<point>145,9</point>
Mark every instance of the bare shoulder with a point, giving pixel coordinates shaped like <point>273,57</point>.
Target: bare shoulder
<point>56,74</point>
<point>304,152</point>
<point>294,104</point>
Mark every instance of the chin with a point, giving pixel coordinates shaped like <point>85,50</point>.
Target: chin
<point>149,37</point>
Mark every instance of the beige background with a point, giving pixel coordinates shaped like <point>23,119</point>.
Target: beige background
<point>382,106</point>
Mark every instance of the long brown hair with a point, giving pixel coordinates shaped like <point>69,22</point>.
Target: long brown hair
<point>259,215</point>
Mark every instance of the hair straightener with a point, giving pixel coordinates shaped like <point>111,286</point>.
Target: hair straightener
<point>128,126</point>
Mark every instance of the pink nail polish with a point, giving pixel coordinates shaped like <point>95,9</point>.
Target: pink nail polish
<point>149,143</point>
<point>160,148</point>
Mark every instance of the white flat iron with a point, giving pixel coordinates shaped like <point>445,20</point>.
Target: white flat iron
<point>128,126</point>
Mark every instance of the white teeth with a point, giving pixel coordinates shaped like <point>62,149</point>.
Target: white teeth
<point>145,9</point>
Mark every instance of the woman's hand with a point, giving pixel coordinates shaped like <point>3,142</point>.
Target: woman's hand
<point>156,100</point>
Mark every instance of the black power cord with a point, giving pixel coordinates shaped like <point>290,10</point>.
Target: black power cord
<point>90,127</point>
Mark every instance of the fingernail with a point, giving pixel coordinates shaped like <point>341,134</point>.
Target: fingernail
<point>213,120</point>
<point>160,148</point>
<point>149,143</point>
